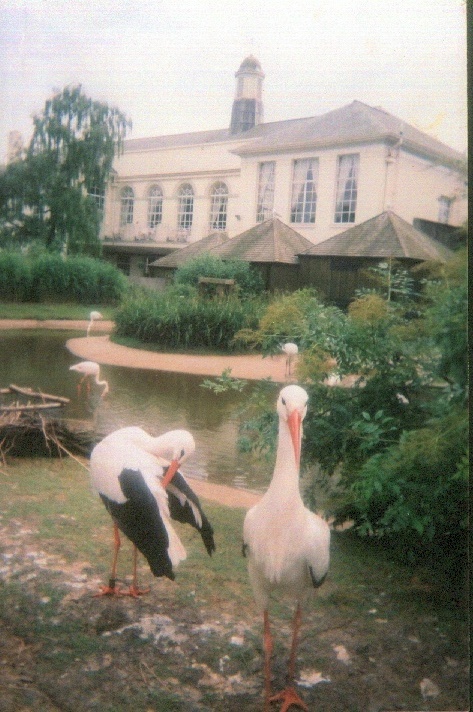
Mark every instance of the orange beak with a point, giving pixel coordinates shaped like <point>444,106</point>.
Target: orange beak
<point>294,421</point>
<point>171,471</point>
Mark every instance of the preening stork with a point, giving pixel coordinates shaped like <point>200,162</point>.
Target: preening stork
<point>93,316</point>
<point>291,350</point>
<point>90,370</point>
<point>287,545</point>
<point>137,478</point>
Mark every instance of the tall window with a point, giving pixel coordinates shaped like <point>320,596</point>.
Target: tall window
<point>444,209</point>
<point>347,188</point>
<point>218,206</point>
<point>155,206</point>
<point>127,200</point>
<point>304,190</point>
<point>97,196</point>
<point>264,208</point>
<point>185,207</point>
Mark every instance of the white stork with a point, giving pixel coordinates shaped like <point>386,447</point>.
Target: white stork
<point>93,316</point>
<point>291,350</point>
<point>90,370</point>
<point>287,545</point>
<point>136,477</point>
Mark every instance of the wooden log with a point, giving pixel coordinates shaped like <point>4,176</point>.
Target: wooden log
<point>29,407</point>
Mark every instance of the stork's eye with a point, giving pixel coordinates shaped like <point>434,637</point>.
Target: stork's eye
<point>182,453</point>
<point>283,401</point>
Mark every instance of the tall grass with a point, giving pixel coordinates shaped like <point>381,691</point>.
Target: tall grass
<point>50,277</point>
<point>179,319</point>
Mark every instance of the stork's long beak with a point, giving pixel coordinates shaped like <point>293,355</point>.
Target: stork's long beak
<point>171,471</point>
<point>294,422</point>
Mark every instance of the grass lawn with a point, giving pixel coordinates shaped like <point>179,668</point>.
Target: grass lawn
<point>43,311</point>
<point>374,632</point>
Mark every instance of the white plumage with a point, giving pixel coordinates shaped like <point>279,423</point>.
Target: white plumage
<point>287,545</point>
<point>90,371</point>
<point>93,316</point>
<point>136,477</point>
<point>291,350</point>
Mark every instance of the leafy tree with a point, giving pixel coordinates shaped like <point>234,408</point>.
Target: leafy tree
<point>247,279</point>
<point>45,195</point>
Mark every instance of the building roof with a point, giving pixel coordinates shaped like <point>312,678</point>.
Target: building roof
<point>178,257</point>
<point>269,241</point>
<point>354,123</point>
<point>386,235</point>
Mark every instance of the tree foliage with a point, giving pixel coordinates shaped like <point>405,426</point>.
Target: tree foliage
<point>45,195</point>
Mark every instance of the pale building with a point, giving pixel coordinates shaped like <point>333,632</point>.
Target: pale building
<point>319,175</point>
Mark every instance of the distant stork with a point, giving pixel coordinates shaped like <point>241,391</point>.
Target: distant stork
<point>90,370</point>
<point>93,316</point>
<point>287,545</point>
<point>137,478</point>
<point>291,350</point>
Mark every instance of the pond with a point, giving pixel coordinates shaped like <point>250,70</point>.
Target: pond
<point>154,400</point>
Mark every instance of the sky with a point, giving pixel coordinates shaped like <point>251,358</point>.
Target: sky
<point>170,66</point>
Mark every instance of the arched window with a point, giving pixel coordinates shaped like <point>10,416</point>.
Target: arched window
<point>155,206</point>
<point>218,206</point>
<point>127,201</point>
<point>186,207</point>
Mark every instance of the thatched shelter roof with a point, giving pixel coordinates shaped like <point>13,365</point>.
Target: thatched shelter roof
<point>386,235</point>
<point>271,241</point>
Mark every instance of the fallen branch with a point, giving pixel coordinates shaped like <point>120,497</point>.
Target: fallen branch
<point>29,407</point>
<point>35,394</point>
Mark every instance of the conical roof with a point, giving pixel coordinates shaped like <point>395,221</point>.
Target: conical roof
<point>386,235</point>
<point>269,241</point>
<point>179,257</point>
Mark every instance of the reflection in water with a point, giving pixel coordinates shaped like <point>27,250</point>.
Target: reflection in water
<point>154,400</point>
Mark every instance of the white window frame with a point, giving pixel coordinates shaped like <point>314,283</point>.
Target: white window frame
<point>155,206</point>
<point>347,188</point>
<point>127,204</point>
<point>218,206</point>
<point>266,181</point>
<point>304,190</point>
<point>185,209</point>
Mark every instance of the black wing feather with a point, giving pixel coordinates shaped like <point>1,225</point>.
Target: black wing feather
<point>183,512</point>
<point>140,520</point>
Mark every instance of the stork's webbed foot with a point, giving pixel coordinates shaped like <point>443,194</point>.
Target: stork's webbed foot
<point>111,590</point>
<point>289,698</point>
<point>136,592</point>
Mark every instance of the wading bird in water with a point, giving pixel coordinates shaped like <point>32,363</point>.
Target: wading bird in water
<point>137,478</point>
<point>287,545</point>
<point>93,316</point>
<point>90,371</point>
<point>291,350</point>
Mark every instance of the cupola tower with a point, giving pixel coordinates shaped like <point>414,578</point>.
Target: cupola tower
<point>247,108</point>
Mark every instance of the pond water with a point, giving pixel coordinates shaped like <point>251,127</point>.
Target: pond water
<point>154,400</point>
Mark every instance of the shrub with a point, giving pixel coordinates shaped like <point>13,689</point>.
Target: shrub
<point>15,277</point>
<point>247,278</point>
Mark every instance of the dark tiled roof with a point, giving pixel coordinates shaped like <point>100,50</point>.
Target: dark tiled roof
<point>355,123</point>
<point>177,258</point>
<point>386,235</point>
<point>269,241</point>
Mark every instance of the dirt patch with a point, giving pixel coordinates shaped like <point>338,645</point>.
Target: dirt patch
<point>174,650</point>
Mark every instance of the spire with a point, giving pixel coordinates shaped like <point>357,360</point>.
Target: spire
<point>247,108</point>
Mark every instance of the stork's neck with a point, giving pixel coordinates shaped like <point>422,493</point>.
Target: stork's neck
<point>285,482</point>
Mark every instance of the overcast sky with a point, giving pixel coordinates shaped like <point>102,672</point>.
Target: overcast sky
<point>170,66</point>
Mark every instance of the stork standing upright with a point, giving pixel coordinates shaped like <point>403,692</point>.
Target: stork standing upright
<point>137,478</point>
<point>93,316</point>
<point>291,350</point>
<point>287,545</point>
<point>90,370</point>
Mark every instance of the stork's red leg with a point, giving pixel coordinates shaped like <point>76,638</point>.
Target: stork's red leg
<point>268,651</point>
<point>134,590</point>
<point>112,589</point>
<point>289,696</point>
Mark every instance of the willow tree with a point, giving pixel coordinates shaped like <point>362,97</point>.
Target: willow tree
<point>66,166</point>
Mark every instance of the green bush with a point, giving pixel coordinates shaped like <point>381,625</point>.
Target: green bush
<point>45,276</point>
<point>15,277</point>
<point>247,278</point>
<point>180,319</point>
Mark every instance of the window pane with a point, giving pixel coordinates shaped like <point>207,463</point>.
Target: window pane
<point>304,190</point>
<point>186,206</point>
<point>218,207</point>
<point>155,206</point>
<point>264,208</point>
<point>126,206</point>
<point>98,197</point>
<point>347,188</point>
